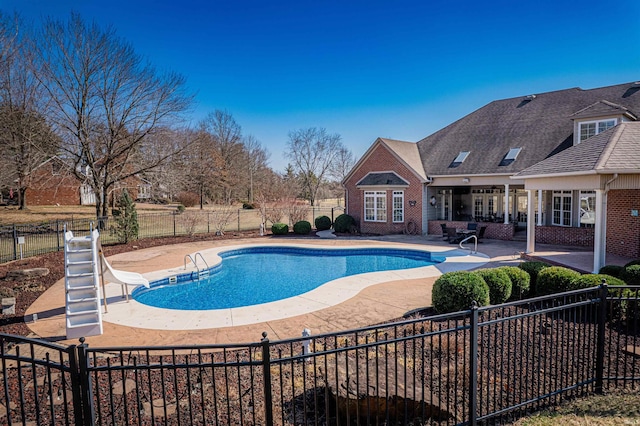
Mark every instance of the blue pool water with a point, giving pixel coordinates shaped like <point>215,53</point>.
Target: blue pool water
<point>255,275</point>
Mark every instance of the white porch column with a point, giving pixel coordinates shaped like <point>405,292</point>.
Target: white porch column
<point>506,203</point>
<point>531,223</point>
<point>599,232</point>
<point>539,207</point>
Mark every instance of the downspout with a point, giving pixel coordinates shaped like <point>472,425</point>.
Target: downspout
<point>608,184</point>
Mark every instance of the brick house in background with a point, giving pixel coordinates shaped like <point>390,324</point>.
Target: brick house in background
<point>53,183</point>
<point>470,171</point>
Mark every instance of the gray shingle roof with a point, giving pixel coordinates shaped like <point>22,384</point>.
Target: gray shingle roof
<point>407,152</point>
<point>382,179</point>
<point>541,125</point>
<point>613,151</point>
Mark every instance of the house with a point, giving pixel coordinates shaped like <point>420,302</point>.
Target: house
<point>482,168</point>
<point>53,182</point>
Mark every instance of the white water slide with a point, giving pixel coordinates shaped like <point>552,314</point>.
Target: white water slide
<point>84,262</point>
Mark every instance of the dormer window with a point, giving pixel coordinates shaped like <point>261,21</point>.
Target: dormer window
<point>460,158</point>
<point>592,128</point>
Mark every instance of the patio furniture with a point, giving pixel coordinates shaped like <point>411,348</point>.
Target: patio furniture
<point>453,236</point>
<point>444,231</point>
<point>472,226</point>
<point>480,233</point>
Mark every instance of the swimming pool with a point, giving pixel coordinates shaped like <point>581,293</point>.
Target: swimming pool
<point>256,275</point>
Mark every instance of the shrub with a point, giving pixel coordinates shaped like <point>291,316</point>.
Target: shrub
<point>613,270</point>
<point>127,219</point>
<point>533,268</point>
<point>520,281</point>
<point>249,206</point>
<point>188,199</point>
<point>6,292</point>
<point>303,227</point>
<point>631,275</point>
<point>593,280</point>
<point>343,223</point>
<point>454,291</point>
<point>323,223</point>
<point>279,228</point>
<point>180,208</point>
<point>633,262</point>
<point>555,279</point>
<point>499,284</point>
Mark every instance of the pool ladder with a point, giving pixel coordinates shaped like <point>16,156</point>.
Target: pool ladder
<point>194,260</point>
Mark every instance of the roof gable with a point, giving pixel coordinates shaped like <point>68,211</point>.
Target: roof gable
<point>602,109</point>
<point>382,179</point>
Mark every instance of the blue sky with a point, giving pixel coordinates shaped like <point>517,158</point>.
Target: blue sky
<point>363,69</point>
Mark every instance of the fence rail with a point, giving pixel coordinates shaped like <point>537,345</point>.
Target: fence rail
<point>483,365</point>
<point>25,240</point>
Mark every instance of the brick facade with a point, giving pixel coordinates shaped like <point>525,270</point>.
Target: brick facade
<point>623,229</point>
<point>381,159</point>
<point>564,236</point>
<point>51,186</point>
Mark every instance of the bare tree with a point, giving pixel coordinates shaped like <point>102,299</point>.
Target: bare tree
<point>106,102</point>
<point>313,153</point>
<point>26,139</point>
<point>256,163</point>
<point>226,143</point>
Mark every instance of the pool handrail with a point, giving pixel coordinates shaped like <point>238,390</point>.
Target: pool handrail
<point>194,260</point>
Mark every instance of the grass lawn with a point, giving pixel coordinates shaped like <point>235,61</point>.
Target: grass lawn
<point>599,410</point>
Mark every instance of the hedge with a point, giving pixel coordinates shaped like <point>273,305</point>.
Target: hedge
<point>520,281</point>
<point>455,291</point>
<point>555,279</point>
<point>499,284</point>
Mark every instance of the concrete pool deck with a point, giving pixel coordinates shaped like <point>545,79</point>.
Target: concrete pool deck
<point>351,303</point>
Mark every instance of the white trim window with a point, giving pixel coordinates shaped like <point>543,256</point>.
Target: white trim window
<point>561,208</point>
<point>398,206</point>
<point>375,206</point>
<point>587,209</point>
<point>592,128</point>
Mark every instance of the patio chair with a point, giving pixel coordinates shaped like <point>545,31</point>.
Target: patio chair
<point>444,231</point>
<point>472,226</point>
<point>453,236</point>
<point>480,233</point>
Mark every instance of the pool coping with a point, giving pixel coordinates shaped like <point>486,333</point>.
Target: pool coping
<point>134,314</point>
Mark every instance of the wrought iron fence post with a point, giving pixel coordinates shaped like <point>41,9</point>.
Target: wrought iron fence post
<point>238,220</point>
<point>86,392</point>
<point>174,224</point>
<point>473,365</point>
<point>15,242</point>
<point>76,385</point>
<point>266,367</point>
<point>58,234</point>
<point>208,222</point>
<point>602,319</point>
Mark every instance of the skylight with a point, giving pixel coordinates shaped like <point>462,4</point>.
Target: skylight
<point>512,154</point>
<point>461,157</point>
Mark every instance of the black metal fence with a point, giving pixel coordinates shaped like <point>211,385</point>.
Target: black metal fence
<point>25,240</point>
<point>485,365</point>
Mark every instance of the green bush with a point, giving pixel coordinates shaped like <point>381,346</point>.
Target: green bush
<point>613,270</point>
<point>555,279</point>
<point>249,206</point>
<point>533,268</point>
<point>520,281</point>
<point>279,229</point>
<point>303,227</point>
<point>633,262</point>
<point>181,208</point>
<point>454,291</point>
<point>499,284</point>
<point>323,223</point>
<point>593,280</point>
<point>343,223</point>
<point>631,275</point>
<point>126,221</point>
